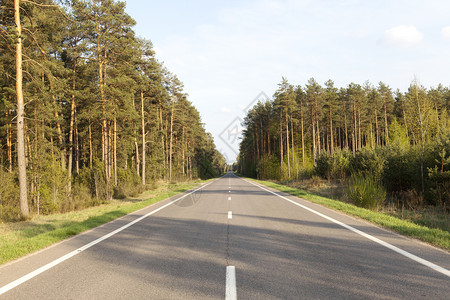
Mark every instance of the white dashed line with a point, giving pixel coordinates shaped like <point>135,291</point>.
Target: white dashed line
<point>230,288</point>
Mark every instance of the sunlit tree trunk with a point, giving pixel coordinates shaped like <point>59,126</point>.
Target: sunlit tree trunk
<point>313,135</point>
<point>171,138</point>
<point>386,131</point>
<point>71,126</point>
<point>287,144</point>
<point>143,138</point>
<point>21,160</point>
<point>9,140</point>
<point>115,151</point>
<point>281,142</point>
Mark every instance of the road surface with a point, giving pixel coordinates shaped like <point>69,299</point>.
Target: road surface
<point>232,239</point>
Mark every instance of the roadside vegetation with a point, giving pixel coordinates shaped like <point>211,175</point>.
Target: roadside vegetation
<point>366,146</point>
<point>20,238</point>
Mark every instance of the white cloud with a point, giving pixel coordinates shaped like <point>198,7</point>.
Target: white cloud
<point>402,36</point>
<point>446,32</point>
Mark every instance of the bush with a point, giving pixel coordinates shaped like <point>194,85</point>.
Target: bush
<point>335,166</point>
<point>368,161</point>
<point>269,167</point>
<point>9,193</point>
<point>323,165</point>
<point>128,183</point>
<point>366,191</point>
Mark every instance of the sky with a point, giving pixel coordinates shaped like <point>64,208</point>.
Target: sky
<point>230,54</point>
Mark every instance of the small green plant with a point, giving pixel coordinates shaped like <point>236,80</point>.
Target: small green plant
<point>365,191</point>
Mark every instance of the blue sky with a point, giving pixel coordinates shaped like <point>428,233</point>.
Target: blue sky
<point>227,52</point>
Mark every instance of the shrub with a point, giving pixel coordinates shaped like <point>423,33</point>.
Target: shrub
<point>335,166</point>
<point>9,193</point>
<point>323,165</point>
<point>128,183</point>
<point>366,191</point>
<point>340,164</point>
<point>369,162</point>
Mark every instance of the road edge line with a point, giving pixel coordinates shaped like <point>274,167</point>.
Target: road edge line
<point>366,235</point>
<point>57,261</point>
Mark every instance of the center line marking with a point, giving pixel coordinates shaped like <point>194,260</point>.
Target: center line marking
<point>230,215</point>
<point>230,285</point>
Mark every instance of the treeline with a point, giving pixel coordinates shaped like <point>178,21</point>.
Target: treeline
<point>401,140</point>
<point>86,111</point>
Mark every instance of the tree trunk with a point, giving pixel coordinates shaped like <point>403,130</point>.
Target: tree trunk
<point>115,151</point>
<point>77,147</point>
<point>281,142</point>
<point>91,154</point>
<point>137,156</point>
<point>303,136</point>
<point>71,126</point>
<point>171,138</point>
<point>377,130</point>
<point>313,135</point>
<point>293,151</point>
<point>386,132</point>
<point>21,160</point>
<point>331,131</point>
<point>143,138</point>
<point>287,144</point>
<point>9,140</point>
<point>354,128</point>
<point>359,128</point>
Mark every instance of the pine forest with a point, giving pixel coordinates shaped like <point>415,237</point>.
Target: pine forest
<point>87,112</point>
<point>382,145</point>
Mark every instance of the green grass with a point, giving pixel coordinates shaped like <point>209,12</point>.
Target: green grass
<point>21,238</point>
<point>435,236</point>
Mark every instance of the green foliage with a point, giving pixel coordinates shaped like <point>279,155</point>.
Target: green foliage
<point>335,166</point>
<point>9,206</point>
<point>398,135</point>
<point>269,168</point>
<point>366,191</point>
<point>439,175</point>
<point>128,183</point>
<point>368,162</point>
<point>94,180</point>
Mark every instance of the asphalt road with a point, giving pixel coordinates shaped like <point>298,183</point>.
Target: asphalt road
<point>232,238</point>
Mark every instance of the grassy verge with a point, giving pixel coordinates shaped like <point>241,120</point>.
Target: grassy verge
<point>21,238</point>
<point>435,236</point>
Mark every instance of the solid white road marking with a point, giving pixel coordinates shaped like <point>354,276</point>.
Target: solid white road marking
<point>230,215</point>
<point>50,265</point>
<point>230,287</point>
<point>229,198</point>
<point>368,236</point>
